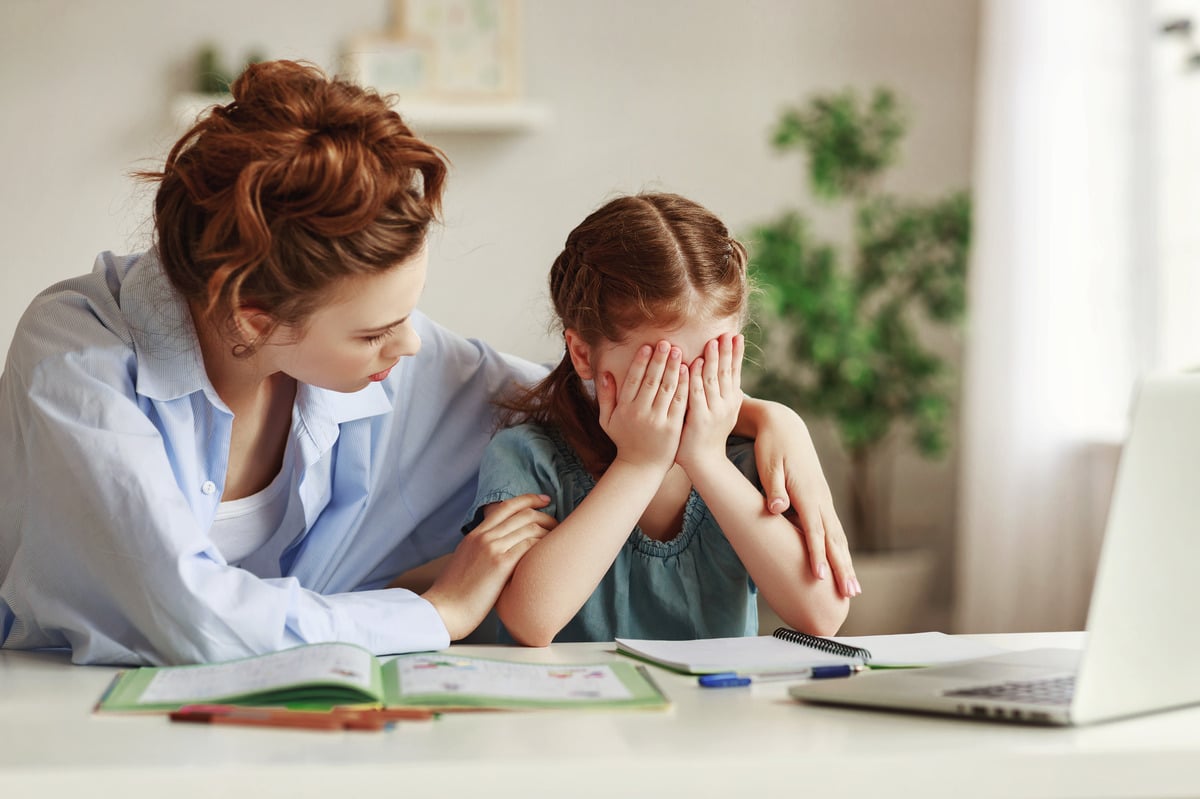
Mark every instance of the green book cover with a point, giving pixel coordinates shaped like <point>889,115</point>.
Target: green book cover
<point>336,674</point>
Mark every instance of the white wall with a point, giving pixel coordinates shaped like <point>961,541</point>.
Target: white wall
<point>670,94</point>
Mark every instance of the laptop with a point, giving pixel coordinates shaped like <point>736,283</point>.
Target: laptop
<point>1142,644</point>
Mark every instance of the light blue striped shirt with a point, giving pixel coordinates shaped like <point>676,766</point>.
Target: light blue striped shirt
<point>115,448</point>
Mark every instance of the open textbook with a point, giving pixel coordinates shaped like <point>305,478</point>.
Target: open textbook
<point>787,650</point>
<point>322,676</point>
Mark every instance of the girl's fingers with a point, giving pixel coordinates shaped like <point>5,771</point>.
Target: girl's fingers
<point>635,375</point>
<point>725,365</point>
<point>712,364</point>
<point>670,381</point>
<point>739,352</point>
<point>653,376</point>
<point>606,396</point>
<point>679,401</point>
<point>696,394</point>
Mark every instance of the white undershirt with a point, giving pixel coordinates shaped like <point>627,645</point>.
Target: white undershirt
<point>243,525</point>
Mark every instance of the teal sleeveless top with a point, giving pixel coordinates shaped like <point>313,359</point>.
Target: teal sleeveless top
<point>693,586</point>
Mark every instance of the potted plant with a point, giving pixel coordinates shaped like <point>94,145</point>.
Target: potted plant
<point>842,327</point>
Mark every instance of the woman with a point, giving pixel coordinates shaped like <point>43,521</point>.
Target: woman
<point>224,446</point>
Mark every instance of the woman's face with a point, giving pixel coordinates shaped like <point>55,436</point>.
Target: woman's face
<point>361,334</point>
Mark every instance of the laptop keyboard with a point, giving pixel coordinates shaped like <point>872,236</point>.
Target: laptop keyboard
<point>1049,691</point>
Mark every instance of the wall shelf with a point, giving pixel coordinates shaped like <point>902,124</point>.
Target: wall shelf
<point>424,116</point>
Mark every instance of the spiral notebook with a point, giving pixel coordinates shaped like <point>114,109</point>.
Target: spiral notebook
<point>788,650</point>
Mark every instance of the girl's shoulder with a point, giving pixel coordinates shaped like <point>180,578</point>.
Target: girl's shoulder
<point>529,438</point>
<point>527,435</point>
<point>534,444</point>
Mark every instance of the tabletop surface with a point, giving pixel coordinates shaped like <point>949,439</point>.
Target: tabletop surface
<point>711,742</point>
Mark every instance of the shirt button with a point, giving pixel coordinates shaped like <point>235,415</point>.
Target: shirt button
<point>209,487</point>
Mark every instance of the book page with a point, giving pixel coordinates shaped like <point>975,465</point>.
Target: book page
<point>317,662</point>
<point>441,674</point>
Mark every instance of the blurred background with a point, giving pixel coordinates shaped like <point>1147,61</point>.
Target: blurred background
<point>1070,127</point>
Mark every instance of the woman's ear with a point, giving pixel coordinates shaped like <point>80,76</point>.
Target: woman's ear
<point>580,352</point>
<point>252,323</point>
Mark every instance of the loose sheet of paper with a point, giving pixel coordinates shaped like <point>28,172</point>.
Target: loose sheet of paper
<point>440,673</point>
<point>765,653</point>
<point>319,662</point>
<point>751,654</point>
<point>919,649</point>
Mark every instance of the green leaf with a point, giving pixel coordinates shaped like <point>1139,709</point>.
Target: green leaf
<point>849,142</point>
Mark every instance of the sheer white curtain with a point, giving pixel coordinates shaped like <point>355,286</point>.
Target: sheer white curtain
<point>1062,284</point>
<point>1173,321</point>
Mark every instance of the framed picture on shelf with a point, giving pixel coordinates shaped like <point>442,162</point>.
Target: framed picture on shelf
<point>442,50</point>
<point>389,65</point>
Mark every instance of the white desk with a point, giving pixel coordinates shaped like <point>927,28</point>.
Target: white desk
<point>713,742</point>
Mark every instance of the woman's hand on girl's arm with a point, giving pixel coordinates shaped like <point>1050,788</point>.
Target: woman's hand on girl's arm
<point>481,566</point>
<point>791,476</point>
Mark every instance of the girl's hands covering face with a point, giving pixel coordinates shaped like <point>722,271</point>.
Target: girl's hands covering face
<point>644,415</point>
<point>714,400</point>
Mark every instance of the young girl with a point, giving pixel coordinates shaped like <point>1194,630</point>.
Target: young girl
<point>651,292</point>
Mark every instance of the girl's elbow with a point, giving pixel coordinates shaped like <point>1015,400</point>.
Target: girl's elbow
<point>825,620</point>
<point>530,635</point>
<point>527,632</point>
<point>830,616</point>
<point>835,616</point>
<point>535,640</point>
<point>829,625</point>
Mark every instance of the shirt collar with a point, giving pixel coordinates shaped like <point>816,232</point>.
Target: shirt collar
<point>322,410</point>
<point>169,362</point>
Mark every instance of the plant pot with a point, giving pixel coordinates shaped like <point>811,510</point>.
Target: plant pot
<point>897,591</point>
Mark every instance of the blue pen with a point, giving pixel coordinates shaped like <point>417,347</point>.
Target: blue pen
<point>730,679</point>
<point>725,679</point>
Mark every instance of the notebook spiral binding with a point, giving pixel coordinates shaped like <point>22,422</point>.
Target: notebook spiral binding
<point>823,644</point>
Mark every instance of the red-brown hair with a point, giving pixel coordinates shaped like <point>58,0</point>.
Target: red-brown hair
<point>299,182</point>
<point>641,259</point>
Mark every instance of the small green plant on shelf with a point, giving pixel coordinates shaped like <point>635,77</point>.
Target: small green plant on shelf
<point>212,77</point>
<point>840,328</point>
